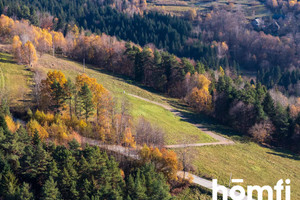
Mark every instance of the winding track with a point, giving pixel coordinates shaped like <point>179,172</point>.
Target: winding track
<point>134,153</point>
<point>221,140</point>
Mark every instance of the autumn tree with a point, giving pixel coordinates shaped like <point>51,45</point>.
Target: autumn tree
<point>53,94</point>
<point>11,125</point>
<point>17,48</point>
<point>29,53</point>
<point>43,40</point>
<point>164,160</point>
<point>6,26</point>
<point>262,131</point>
<point>129,138</point>
<point>200,97</point>
<point>59,42</point>
<point>191,14</point>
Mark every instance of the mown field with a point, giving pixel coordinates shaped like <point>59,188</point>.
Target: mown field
<point>251,8</point>
<point>15,81</point>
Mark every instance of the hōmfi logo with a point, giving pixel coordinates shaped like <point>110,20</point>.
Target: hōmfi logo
<point>238,192</point>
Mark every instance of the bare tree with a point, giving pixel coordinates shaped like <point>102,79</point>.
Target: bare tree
<point>147,134</point>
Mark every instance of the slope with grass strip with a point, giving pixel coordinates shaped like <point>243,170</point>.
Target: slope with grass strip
<point>15,81</point>
<point>176,129</point>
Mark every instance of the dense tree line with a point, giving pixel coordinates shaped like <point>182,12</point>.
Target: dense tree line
<point>252,51</point>
<point>252,110</point>
<point>32,169</point>
<point>255,51</point>
<point>274,77</point>
<point>164,31</point>
<point>182,78</point>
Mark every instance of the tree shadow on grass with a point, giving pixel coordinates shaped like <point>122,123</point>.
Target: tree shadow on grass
<point>125,79</point>
<point>6,59</point>
<point>285,154</point>
<point>205,122</point>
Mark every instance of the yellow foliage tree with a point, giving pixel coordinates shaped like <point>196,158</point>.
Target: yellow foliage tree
<point>47,97</point>
<point>203,82</point>
<point>145,154</point>
<point>191,14</point>
<point>170,164</point>
<point>6,26</point>
<point>199,97</point>
<point>53,76</point>
<point>29,53</point>
<point>11,125</point>
<point>43,118</point>
<point>101,96</point>
<point>129,139</point>
<point>164,160</point>
<point>17,48</point>
<point>33,126</point>
<point>221,70</point>
<point>59,40</point>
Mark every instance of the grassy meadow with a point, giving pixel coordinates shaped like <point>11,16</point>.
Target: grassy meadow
<point>249,161</point>
<point>251,8</point>
<point>176,130</point>
<point>15,81</point>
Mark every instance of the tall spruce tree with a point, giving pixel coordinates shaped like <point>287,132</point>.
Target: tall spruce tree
<point>86,96</point>
<point>50,190</point>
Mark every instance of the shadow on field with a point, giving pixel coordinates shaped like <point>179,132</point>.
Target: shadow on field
<point>125,79</point>
<point>205,122</point>
<point>6,59</point>
<point>284,154</point>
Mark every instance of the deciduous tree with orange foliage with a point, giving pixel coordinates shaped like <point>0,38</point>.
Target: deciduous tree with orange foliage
<point>17,48</point>
<point>29,53</point>
<point>164,160</point>
<point>24,53</point>
<point>11,125</point>
<point>129,138</point>
<point>199,97</point>
<point>6,26</point>
<point>33,126</point>
<point>52,91</point>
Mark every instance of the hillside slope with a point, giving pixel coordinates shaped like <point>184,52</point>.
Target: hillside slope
<point>176,130</point>
<point>211,161</point>
<point>244,160</point>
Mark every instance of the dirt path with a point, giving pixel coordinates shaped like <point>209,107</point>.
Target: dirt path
<point>221,140</point>
<point>133,153</point>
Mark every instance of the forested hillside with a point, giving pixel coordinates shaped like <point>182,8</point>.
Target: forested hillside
<point>196,64</point>
<point>267,116</point>
<point>31,169</point>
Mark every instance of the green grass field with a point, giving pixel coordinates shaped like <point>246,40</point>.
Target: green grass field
<point>248,161</point>
<point>176,130</point>
<point>251,8</point>
<point>15,80</point>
